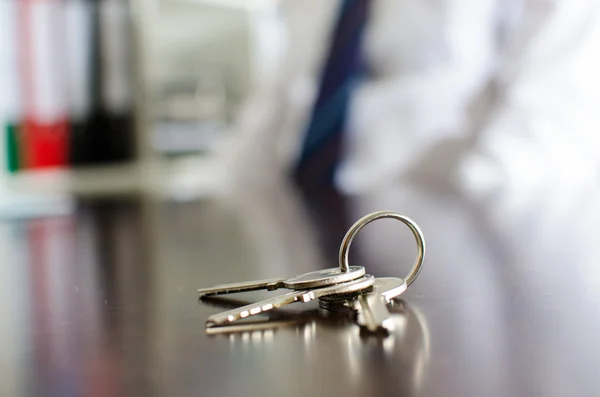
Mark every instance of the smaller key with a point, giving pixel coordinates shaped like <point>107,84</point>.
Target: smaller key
<point>291,297</point>
<point>316,279</point>
<point>373,313</point>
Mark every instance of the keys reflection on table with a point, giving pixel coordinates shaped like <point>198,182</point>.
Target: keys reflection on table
<point>354,353</point>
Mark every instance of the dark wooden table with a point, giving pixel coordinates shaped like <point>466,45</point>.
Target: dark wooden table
<point>103,303</point>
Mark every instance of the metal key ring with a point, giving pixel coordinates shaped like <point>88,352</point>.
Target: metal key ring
<point>365,220</point>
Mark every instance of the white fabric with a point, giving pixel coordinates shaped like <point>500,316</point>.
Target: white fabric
<point>545,134</point>
<point>431,61</point>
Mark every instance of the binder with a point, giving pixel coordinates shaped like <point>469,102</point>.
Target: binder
<point>10,98</point>
<point>45,140</point>
<point>114,122</point>
<point>79,42</point>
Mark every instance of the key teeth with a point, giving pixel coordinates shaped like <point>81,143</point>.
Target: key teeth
<point>212,321</point>
<point>217,320</point>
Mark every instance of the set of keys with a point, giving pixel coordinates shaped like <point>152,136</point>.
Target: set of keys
<point>346,287</point>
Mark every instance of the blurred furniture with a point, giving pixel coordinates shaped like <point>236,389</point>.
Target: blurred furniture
<point>195,62</point>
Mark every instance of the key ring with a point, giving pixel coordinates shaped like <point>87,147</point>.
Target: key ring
<point>365,220</point>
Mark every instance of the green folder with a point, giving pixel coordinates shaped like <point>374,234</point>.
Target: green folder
<point>12,147</point>
<point>10,89</point>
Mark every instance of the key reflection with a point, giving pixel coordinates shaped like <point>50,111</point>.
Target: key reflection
<point>364,359</point>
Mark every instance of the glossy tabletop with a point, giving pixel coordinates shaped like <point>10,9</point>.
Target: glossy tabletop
<point>103,302</point>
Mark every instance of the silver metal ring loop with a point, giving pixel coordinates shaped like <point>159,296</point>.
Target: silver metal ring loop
<point>365,220</point>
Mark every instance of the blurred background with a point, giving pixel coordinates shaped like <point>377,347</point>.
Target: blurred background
<point>152,147</point>
<point>483,96</point>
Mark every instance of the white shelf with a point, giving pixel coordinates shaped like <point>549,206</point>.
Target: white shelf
<point>107,179</point>
<point>184,177</point>
<point>233,4</point>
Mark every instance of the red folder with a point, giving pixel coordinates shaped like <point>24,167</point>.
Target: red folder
<point>45,137</point>
<point>45,144</point>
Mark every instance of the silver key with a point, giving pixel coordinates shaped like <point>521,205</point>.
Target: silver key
<point>291,297</point>
<point>316,279</point>
<point>373,314</point>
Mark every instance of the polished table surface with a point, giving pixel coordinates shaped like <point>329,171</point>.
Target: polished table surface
<point>103,302</point>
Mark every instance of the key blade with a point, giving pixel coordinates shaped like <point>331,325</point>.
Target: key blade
<point>374,315</point>
<point>253,309</point>
<point>268,284</point>
<point>286,299</point>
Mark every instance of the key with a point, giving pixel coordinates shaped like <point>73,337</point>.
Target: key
<point>291,297</point>
<point>316,279</point>
<point>373,314</point>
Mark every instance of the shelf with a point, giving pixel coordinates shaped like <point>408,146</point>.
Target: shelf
<point>232,4</point>
<point>177,178</point>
